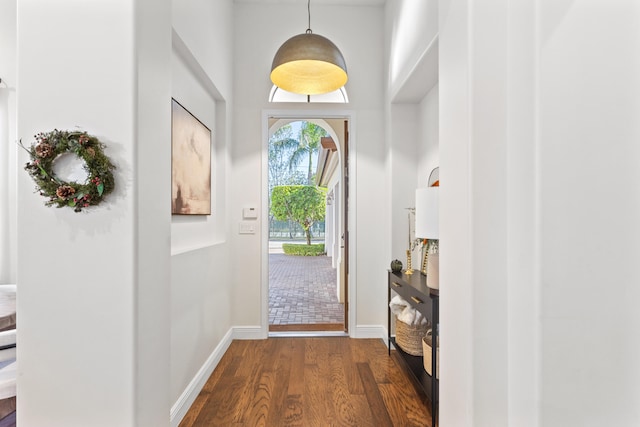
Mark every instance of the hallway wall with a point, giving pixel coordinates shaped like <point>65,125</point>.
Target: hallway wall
<point>539,212</point>
<point>538,148</point>
<point>589,205</point>
<point>198,288</point>
<point>411,31</point>
<point>260,29</point>
<point>201,283</point>
<point>93,289</point>
<point>8,146</point>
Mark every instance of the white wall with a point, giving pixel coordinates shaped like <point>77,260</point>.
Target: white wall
<point>528,113</point>
<point>404,147</point>
<point>197,274</point>
<point>152,54</point>
<point>200,264</point>
<point>200,99</point>
<point>489,372</point>
<point>8,146</point>
<point>260,30</point>
<point>429,136</point>
<point>588,96</point>
<point>205,28</point>
<point>412,26</point>
<point>94,286</point>
<point>413,154</point>
<point>535,282</point>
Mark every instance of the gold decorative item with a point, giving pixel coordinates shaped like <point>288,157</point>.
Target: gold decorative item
<point>409,270</point>
<point>425,256</point>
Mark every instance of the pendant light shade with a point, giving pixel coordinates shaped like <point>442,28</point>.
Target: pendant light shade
<point>309,64</point>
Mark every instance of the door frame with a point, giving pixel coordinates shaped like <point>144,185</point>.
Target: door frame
<point>305,114</point>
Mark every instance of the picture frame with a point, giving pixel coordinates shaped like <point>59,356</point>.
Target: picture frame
<point>190,163</point>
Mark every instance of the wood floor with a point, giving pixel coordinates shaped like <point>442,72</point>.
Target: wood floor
<point>325,381</point>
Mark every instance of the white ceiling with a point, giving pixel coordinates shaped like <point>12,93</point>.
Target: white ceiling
<point>340,2</point>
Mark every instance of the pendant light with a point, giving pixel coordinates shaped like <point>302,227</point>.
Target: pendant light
<point>309,64</point>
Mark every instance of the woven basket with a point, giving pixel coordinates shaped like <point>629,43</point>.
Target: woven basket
<point>427,342</point>
<point>409,337</point>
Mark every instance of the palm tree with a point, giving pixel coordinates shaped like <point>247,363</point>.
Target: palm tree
<point>309,143</point>
<point>281,146</point>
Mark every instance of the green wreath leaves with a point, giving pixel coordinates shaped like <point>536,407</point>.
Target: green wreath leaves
<point>47,148</point>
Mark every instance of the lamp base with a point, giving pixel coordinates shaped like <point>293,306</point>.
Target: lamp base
<point>433,271</point>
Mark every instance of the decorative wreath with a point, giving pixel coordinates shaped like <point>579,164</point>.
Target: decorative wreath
<point>44,152</point>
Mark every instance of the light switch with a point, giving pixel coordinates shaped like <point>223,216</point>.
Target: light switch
<point>249,213</point>
<point>247,227</point>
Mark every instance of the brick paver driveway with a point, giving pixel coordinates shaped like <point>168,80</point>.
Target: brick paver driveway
<point>302,290</point>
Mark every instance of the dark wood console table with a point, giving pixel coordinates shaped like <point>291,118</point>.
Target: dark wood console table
<point>413,288</point>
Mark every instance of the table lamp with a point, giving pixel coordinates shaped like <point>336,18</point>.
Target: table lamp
<point>427,221</point>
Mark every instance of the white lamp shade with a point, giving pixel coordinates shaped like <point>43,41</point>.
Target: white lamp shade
<point>427,213</point>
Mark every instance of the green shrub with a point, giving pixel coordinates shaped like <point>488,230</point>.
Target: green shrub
<point>303,250</point>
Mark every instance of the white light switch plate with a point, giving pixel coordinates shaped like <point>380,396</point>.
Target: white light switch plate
<point>247,227</point>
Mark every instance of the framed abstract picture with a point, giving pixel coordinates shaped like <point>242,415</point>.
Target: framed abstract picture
<point>190,163</point>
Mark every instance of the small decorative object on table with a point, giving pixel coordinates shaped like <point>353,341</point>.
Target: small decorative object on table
<point>409,269</point>
<point>412,244</point>
<point>425,254</point>
<point>396,265</point>
<point>44,152</point>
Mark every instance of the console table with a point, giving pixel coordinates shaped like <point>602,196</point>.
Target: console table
<point>413,288</point>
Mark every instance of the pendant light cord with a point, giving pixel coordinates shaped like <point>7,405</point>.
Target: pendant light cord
<point>309,17</point>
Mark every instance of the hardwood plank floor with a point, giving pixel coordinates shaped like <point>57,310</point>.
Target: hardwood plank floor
<point>319,381</point>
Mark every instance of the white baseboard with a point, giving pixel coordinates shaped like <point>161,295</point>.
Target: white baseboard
<point>248,333</point>
<point>188,396</point>
<point>370,331</point>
